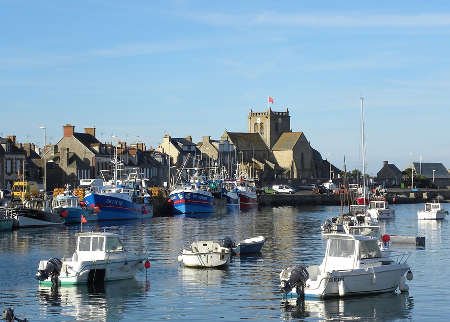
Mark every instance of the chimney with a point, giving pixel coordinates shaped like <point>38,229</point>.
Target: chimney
<point>12,138</point>
<point>206,139</point>
<point>189,138</point>
<point>68,130</point>
<point>385,163</point>
<point>90,130</point>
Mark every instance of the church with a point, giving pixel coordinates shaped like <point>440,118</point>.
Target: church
<point>272,151</point>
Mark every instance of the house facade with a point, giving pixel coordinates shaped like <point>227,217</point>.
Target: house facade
<point>389,175</point>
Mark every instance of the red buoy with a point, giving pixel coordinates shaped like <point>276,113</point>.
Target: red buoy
<point>385,238</point>
<point>64,213</point>
<point>147,264</point>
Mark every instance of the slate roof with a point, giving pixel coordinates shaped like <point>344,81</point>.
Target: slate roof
<point>389,170</point>
<point>287,141</point>
<point>247,141</point>
<point>427,170</point>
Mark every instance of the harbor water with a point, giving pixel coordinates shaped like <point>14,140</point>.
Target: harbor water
<point>248,289</point>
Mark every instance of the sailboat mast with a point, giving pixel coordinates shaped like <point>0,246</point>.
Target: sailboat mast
<point>363,150</point>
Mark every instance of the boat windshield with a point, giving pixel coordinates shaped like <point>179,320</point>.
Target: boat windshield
<point>84,244</point>
<point>113,244</point>
<point>341,247</point>
<point>369,249</point>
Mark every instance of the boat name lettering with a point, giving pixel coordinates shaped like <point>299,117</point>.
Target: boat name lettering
<point>336,279</point>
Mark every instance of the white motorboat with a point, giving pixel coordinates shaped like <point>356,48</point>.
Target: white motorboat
<point>208,254</point>
<point>99,256</point>
<point>379,209</point>
<point>432,210</point>
<point>352,265</point>
<point>354,224</point>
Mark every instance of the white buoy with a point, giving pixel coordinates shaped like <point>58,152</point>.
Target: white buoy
<point>402,286</point>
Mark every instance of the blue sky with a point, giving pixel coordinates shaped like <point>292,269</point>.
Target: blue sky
<point>139,69</point>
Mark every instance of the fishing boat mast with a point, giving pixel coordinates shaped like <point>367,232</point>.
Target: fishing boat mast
<point>363,151</point>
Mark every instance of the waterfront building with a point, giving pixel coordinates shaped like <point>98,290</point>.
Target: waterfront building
<point>389,175</point>
<point>435,172</point>
<point>12,161</point>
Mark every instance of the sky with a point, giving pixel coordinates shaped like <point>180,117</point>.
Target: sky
<point>140,69</point>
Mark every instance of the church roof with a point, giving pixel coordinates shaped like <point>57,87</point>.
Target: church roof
<point>287,141</point>
<point>247,141</point>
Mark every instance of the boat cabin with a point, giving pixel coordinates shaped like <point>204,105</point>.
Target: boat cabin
<point>97,246</point>
<point>346,251</point>
<point>378,204</point>
<point>432,206</point>
<point>66,200</point>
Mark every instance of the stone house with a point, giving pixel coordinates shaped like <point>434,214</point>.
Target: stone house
<point>12,161</point>
<point>389,175</point>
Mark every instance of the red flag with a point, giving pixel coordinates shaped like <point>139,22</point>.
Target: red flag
<point>270,99</point>
<point>83,219</point>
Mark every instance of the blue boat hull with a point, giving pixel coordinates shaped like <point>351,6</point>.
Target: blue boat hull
<point>191,202</point>
<point>113,208</point>
<point>245,249</point>
<point>73,215</point>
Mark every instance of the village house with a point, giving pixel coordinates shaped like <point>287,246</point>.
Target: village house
<point>389,175</point>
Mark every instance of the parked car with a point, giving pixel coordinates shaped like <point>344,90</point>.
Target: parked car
<point>282,188</point>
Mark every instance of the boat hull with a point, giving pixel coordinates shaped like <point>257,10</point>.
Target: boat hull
<point>248,199</point>
<point>204,260</point>
<point>73,215</point>
<point>431,215</point>
<point>188,202</point>
<point>103,270</point>
<point>379,279</point>
<point>6,224</point>
<point>114,208</point>
<point>250,246</point>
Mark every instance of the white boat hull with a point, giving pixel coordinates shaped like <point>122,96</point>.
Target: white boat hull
<point>431,215</point>
<point>84,272</point>
<point>207,260</point>
<point>374,280</point>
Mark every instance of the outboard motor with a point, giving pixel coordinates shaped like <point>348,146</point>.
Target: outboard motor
<point>52,269</point>
<point>9,316</point>
<point>227,242</point>
<point>294,276</point>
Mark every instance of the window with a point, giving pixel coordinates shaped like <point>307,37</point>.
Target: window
<point>369,249</point>
<point>341,247</point>
<point>84,244</point>
<point>8,166</point>
<point>113,244</point>
<point>97,243</point>
<point>261,129</point>
<point>255,128</point>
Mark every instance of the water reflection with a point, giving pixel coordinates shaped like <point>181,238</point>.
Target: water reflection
<point>377,307</point>
<point>102,302</point>
<point>202,277</point>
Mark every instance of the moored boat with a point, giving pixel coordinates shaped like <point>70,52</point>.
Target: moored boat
<point>98,257</point>
<point>68,206</point>
<point>205,254</point>
<point>249,246</point>
<point>432,211</point>
<point>190,199</point>
<point>352,265</point>
<point>379,209</point>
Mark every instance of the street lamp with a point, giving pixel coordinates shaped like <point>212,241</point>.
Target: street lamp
<point>45,161</point>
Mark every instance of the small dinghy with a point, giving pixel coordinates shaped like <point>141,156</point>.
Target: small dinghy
<point>249,246</point>
<point>99,257</point>
<point>205,254</point>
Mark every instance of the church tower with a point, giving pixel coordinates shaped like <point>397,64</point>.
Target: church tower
<point>269,124</point>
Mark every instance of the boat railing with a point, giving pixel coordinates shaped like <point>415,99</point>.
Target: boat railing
<point>399,257</point>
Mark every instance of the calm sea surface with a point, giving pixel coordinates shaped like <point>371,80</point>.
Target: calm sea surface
<point>248,289</point>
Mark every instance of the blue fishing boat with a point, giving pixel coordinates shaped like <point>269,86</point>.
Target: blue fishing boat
<point>190,199</point>
<point>119,203</point>
<point>120,199</point>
